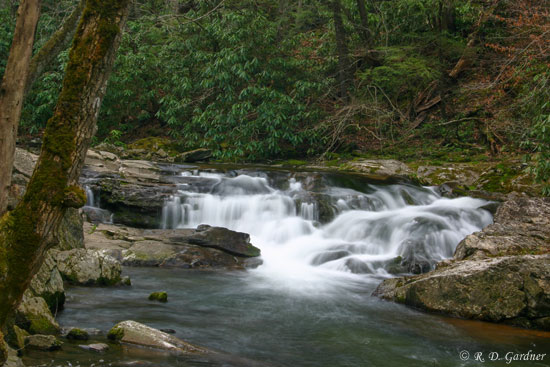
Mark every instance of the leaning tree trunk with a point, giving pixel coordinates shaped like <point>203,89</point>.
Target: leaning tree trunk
<point>53,187</point>
<point>13,88</point>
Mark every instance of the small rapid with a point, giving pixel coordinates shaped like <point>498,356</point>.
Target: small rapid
<point>314,233</point>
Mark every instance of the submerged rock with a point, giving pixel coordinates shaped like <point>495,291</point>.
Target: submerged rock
<point>96,347</point>
<point>158,296</point>
<point>501,274</point>
<point>132,332</point>
<point>88,267</point>
<point>77,334</point>
<point>42,342</point>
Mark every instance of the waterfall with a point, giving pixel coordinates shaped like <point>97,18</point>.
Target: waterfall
<point>90,199</point>
<point>93,210</point>
<point>382,229</point>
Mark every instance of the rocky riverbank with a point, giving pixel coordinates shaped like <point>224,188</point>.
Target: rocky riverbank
<point>501,274</point>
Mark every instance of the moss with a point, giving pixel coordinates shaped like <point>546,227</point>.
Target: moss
<point>116,333</point>
<point>158,296</point>
<point>41,325</point>
<point>3,349</point>
<point>293,162</point>
<point>78,334</point>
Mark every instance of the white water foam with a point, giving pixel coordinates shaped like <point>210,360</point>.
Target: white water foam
<point>368,232</point>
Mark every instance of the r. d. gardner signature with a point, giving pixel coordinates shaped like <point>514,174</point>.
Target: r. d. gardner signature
<point>509,357</point>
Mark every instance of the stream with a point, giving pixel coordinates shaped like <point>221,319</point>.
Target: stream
<point>327,240</point>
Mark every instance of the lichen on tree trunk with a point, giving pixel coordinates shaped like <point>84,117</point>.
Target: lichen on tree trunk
<point>54,186</point>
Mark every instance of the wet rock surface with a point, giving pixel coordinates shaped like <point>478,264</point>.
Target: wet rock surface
<point>169,247</point>
<point>501,274</point>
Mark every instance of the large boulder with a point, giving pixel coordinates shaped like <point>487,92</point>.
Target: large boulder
<point>501,274</point>
<point>88,267</point>
<point>42,342</point>
<point>236,243</point>
<point>69,234</point>
<point>132,332</point>
<point>34,316</point>
<point>48,283</point>
<point>170,247</point>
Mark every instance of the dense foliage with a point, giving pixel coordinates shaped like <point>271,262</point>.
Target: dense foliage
<point>269,79</point>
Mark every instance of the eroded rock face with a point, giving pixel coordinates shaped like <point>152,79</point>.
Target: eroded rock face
<point>236,243</point>
<point>501,274</point>
<point>88,267</point>
<point>132,332</point>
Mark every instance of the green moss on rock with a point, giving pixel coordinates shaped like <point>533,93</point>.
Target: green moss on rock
<point>78,334</point>
<point>159,296</point>
<point>116,333</point>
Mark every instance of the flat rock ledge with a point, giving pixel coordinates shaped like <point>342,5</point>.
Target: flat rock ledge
<point>204,248</point>
<point>501,274</point>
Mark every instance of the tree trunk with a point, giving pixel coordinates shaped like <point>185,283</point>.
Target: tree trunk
<point>57,43</point>
<point>365,35</point>
<point>13,88</point>
<point>344,67</point>
<point>53,186</point>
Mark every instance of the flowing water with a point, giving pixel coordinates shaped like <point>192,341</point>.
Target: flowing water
<point>327,241</point>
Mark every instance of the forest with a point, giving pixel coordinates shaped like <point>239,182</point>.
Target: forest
<point>266,80</point>
<point>292,183</point>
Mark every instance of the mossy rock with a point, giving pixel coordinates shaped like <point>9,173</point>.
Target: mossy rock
<point>78,334</point>
<point>20,335</point>
<point>116,333</point>
<point>158,296</point>
<point>153,144</point>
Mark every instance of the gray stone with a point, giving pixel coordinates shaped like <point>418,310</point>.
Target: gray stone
<point>42,342</point>
<point>88,267</point>
<point>236,243</point>
<point>48,284</point>
<point>501,274</point>
<point>132,332</point>
<point>96,347</point>
<point>34,316</point>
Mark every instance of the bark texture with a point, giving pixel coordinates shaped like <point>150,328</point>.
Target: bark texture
<point>54,185</point>
<point>13,88</point>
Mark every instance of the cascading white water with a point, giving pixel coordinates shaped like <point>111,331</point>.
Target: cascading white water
<point>371,232</point>
<point>90,198</point>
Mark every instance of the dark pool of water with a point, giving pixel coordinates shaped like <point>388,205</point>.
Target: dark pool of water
<point>233,313</point>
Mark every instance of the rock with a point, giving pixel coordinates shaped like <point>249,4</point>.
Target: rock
<point>236,243</point>
<point>102,162</point>
<point>13,360</point>
<point>168,331</point>
<point>96,347</point>
<point>514,289</point>
<point>197,257</point>
<point>34,316</point>
<point>126,281</point>
<point>192,156</point>
<point>140,171</point>
<point>521,226</point>
<point>24,162</point>
<point>158,296</point>
<point>48,284</point>
<point>77,334</point>
<point>42,342</point>
<point>132,332</point>
<point>20,335</point>
<point>88,267</point>
<point>501,274</point>
<point>148,253</point>
<point>381,167</point>
<point>70,235</point>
